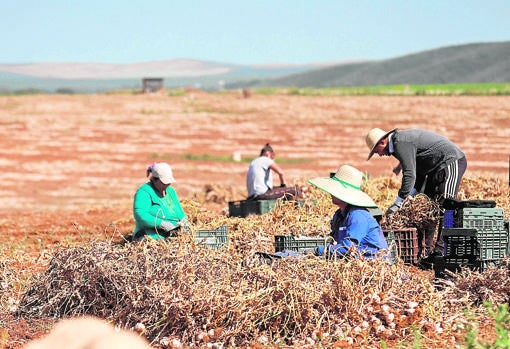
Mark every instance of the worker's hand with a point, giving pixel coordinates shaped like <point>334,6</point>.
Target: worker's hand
<point>167,226</point>
<point>395,206</point>
<point>392,209</point>
<point>184,223</point>
<point>282,185</point>
<point>319,251</point>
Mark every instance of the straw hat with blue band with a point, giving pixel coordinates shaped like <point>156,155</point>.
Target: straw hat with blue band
<point>345,185</point>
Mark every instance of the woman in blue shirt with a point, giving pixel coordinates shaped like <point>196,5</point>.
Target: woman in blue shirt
<point>353,227</point>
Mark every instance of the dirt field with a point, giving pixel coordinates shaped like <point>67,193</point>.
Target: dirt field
<point>71,164</point>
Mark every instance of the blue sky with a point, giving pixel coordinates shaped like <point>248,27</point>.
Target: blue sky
<point>242,31</point>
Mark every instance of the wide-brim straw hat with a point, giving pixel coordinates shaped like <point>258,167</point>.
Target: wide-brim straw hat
<point>345,185</point>
<point>374,136</point>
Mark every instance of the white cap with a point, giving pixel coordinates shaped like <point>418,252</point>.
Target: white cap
<point>163,171</point>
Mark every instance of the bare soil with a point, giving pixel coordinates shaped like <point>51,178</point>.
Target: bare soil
<point>71,164</point>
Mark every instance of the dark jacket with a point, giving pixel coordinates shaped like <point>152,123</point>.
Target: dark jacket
<point>421,153</point>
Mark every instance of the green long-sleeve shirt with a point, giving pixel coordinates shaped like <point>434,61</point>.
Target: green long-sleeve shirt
<point>150,210</point>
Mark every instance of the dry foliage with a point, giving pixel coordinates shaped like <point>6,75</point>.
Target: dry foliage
<point>493,285</point>
<point>180,293</point>
<point>419,212</point>
<point>181,289</point>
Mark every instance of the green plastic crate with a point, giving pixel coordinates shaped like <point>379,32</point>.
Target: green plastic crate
<point>479,218</point>
<point>473,248</point>
<point>234,208</point>
<point>507,228</point>
<point>216,238</point>
<point>299,244</point>
<point>403,244</point>
<point>244,208</point>
<point>258,207</point>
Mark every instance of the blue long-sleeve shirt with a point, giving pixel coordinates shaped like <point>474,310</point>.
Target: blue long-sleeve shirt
<point>355,226</point>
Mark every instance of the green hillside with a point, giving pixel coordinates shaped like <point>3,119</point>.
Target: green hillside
<point>472,63</point>
<point>461,64</point>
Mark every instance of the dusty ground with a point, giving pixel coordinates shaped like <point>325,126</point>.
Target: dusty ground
<point>71,164</point>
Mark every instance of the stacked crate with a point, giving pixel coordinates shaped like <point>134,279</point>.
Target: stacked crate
<point>477,239</point>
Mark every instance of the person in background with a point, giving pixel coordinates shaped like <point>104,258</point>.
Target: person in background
<point>427,160</point>
<point>353,227</point>
<point>156,207</point>
<point>259,179</point>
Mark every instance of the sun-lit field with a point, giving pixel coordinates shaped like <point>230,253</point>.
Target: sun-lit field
<point>71,165</point>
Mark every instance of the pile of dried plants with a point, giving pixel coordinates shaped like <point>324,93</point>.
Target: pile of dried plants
<point>198,294</point>
<point>418,212</point>
<point>180,292</point>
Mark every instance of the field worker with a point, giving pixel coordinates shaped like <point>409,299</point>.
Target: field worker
<point>259,179</point>
<point>156,208</point>
<point>352,226</point>
<point>427,160</point>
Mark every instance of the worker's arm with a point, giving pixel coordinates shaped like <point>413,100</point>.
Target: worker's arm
<point>274,166</point>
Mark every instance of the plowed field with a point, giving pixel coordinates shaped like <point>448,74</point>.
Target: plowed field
<point>71,164</point>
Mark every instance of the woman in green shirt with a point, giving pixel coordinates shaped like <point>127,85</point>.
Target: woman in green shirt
<point>156,207</point>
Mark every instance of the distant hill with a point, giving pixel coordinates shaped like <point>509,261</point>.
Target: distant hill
<point>470,63</point>
<point>100,77</point>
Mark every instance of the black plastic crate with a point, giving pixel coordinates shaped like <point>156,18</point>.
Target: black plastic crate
<point>473,248</point>
<point>403,244</point>
<point>299,244</point>
<point>216,238</point>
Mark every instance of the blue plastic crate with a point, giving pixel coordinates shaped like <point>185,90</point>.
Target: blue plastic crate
<point>449,219</point>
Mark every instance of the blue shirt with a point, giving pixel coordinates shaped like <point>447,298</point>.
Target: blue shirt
<point>355,226</point>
